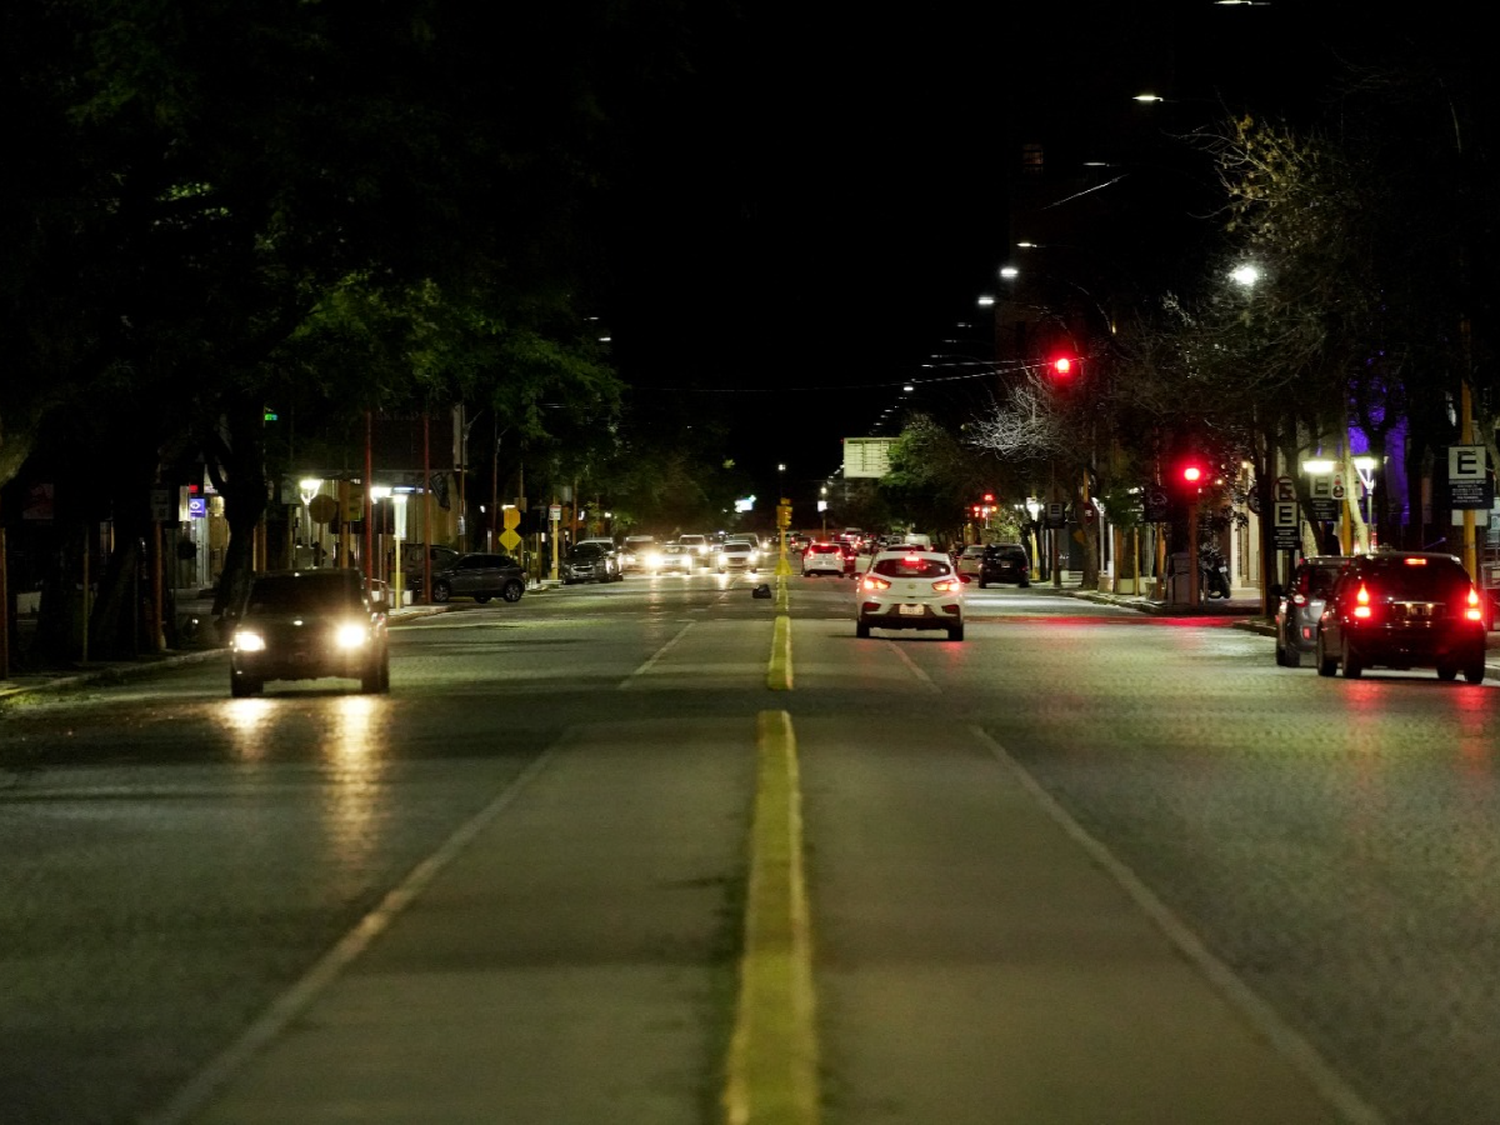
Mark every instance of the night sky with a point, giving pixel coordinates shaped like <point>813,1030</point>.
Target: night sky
<point>817,214</point>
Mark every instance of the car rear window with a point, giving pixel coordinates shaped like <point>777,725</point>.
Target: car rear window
<point>912,566</point>
<point>1433,580</point>
<point>825,549</point>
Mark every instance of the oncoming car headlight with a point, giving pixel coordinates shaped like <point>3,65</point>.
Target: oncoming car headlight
<point>245,641</point>
<point>350,635</point>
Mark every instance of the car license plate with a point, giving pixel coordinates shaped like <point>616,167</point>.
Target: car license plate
<point>914,610</point>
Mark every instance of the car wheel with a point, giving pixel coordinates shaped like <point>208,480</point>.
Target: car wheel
<point>441,592</point>
<point>982,583</point>
<point>482,598</point>
<point>956,632</point>
<point>376,679</point>
<point>1447,672</point>
<point>862,629</point>
<point>1353,666</point>
<point>1326,664</point>
<point>241,687</point>
<point>1474,673</point>
<point>512,591</point>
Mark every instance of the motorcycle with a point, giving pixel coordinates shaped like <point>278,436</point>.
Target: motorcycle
<point>1213,572</point>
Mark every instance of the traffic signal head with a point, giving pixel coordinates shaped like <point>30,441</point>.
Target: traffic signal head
<point>1192,474</point>
<point>1063,367</point>
<point>989,497</point>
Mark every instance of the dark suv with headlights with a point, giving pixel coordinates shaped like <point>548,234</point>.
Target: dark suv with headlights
<point>1403,609</point>
<point>305,625</point>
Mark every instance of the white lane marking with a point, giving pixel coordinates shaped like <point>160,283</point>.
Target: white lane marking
<point>1286,1041</point>
<point>926,681</point>
<point>201,1088</point>
<point>655,656</point>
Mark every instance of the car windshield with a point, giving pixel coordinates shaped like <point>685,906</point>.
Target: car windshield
<point>912,566</point>
<point>304,593</point>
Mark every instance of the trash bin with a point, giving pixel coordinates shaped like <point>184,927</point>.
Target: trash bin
<point>1179,576</point>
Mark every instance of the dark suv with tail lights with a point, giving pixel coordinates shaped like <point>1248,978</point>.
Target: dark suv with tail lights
<point>1403,609</point>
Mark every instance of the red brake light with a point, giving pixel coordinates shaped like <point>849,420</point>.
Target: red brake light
<point>947,585</point>
<point>1415,561</point>
<point>1473,613</point>
<point>870,582</point>
<point>1362,603</point>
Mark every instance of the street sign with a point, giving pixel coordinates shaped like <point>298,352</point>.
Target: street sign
<point>1154,505</point>
<point>1468,477</point>
<point>1286,488</point>
<point>1325,507</point>
<point>509,539</point>
<point>1284,521</point>
<point>511,518</point>
<point>1057,515</point>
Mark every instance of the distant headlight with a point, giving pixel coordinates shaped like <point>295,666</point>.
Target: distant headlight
<point>351,635</point>
<point>249,642</point>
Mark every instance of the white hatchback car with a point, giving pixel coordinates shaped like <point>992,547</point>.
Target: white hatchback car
<point>910,589</point>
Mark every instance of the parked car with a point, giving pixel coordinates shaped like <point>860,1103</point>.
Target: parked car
<point>698,545</point>
<point>825,558</point>
<point>1403,609</point>
<point>307,625</point>
<point>1299,606</point>
<point>1004,562</point>
<point>590,562</point>
<point>910,589</point>
<point>480,576</point>
<point>411,562</point>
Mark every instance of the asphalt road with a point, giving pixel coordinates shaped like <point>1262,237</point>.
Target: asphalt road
<point>174,863</point>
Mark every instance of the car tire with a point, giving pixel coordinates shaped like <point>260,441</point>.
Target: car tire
<point>513,591</point>
<point>1023,583</point>
<point>1326,665</point>
<point>1474,673</point>
<point>956,632</point>
<point>482,598</point>
<point>862,630</point>
<point>373,682</point>
<point>242,687</point>
<point>982,583</point>
<point>1447,672</point>
<point>1354,667</point>
<point>441,592</point>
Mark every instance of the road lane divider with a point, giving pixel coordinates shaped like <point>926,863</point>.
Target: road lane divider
<point>779,670</point>
<point>772,1070</point>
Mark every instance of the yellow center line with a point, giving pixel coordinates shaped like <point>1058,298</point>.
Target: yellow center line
<point>779,671</point>
<point>772,1071</point>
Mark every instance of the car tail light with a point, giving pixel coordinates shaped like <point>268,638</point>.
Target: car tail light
<point>947,586</point>
<point>1415,561</point>
<point>870,582</point>
<point>1362,608</point>
<point>1299,600</point>
<point>1474,612</point>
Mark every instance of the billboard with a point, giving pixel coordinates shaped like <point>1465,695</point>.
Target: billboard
<point>868,457</point>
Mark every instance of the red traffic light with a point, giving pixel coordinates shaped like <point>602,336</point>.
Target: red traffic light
<point>1063,366</point>
<point>989,497</point>
<point>1192,474</point>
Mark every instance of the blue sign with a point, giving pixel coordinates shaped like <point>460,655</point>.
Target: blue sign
<point>197,507</point>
